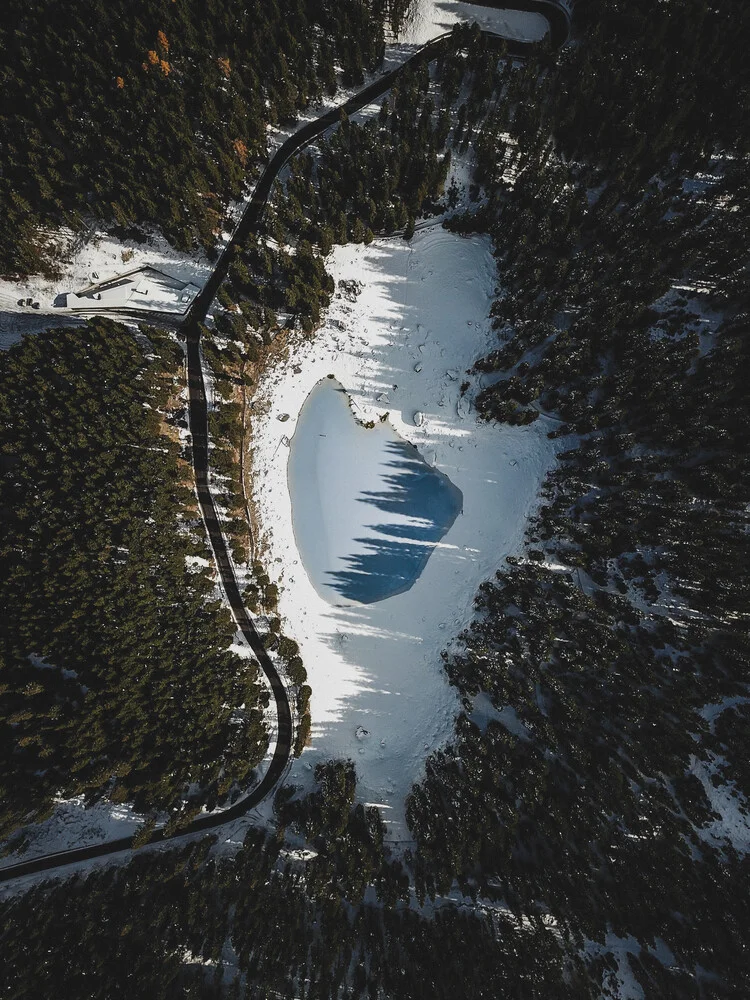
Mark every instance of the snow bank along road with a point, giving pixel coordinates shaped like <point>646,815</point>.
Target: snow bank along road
<point>558,19</point>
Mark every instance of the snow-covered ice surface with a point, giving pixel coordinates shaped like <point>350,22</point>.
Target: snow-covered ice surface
<point>426,19</point>
<point>402,347</point>
<point>367,510</point>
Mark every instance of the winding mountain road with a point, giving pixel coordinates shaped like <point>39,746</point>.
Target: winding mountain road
<point>558,18</point>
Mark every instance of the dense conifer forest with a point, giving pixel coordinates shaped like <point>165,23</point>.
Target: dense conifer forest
<point>156,115</point>
<point>575,824</point>
<point>187,925</point>
<point>117,675</point>
<point>615,655</point>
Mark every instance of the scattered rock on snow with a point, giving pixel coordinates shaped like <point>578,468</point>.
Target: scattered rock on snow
<point>418,418</point>
<point>350,290</point>
<point>361,733</point>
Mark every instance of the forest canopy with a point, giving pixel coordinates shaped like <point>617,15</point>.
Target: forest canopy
<point>116,670</point>
<point>156,114</point>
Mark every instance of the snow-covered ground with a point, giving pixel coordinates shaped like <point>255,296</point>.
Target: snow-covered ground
<point>427,19</point>
<point>619,983</point>
<point>102,256</point>
<point>73,824</point>
<point>401,347</point>
<point>727,802</point>
<point>100,259</point>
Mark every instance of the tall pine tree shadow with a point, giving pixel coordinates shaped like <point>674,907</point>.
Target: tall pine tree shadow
<point>393,562</point>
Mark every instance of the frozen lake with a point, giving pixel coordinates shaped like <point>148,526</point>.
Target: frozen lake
<point>400,343</point>
<point>367,509</point>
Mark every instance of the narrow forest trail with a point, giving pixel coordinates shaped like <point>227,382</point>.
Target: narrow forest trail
<point>558,18</point>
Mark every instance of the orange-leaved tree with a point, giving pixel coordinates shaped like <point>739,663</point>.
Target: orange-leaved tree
<point>241,150</point>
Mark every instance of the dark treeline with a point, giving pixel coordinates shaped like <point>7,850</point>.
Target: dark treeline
<point>379,176</point>
<point>370,178</point>
<point>233,365</point>
<point>616,186</point>
<point>348,838</point>
<point>156,114</point>
<point>257,924</point>
<point>116,674</point>
<point>265,279</point>
<point>582,796</point>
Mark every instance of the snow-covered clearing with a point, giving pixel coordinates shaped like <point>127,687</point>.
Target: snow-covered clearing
<point>727,801</point>
<point>427,19</point>
<point>74,824</point>
<point>99,259</point>
<point>402,346</point>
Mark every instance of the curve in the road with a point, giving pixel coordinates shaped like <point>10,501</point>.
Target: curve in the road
<point>558,19</point>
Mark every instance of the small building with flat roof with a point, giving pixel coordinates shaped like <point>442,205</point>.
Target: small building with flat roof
<point>144,289</point>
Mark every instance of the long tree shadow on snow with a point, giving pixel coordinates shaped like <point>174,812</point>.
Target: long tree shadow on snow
<point>391,564</point>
